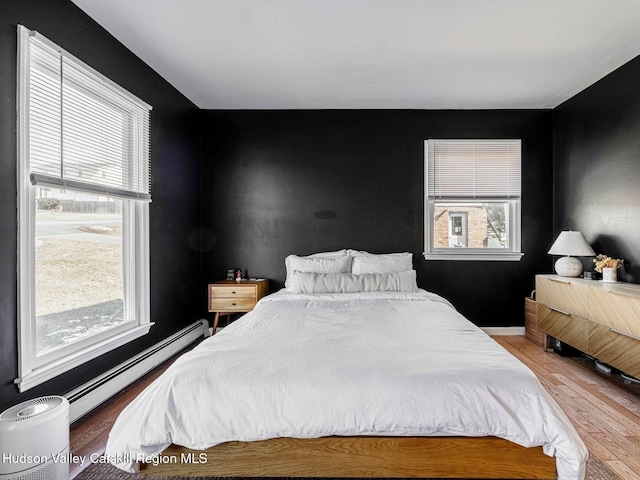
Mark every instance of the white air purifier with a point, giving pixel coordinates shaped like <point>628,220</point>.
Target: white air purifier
<point>34,440</point>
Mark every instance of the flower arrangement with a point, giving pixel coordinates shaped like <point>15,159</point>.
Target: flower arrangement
<point>604,261</point>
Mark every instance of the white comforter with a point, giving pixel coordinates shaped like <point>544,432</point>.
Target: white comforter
<point>310,365</point>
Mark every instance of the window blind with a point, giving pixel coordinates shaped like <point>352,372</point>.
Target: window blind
<point>473,169</point>
<point>85,132</point>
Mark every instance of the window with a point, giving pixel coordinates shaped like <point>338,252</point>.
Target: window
<point>83,186</point>
<point>472,200</point>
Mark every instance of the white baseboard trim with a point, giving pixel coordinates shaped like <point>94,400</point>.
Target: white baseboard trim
<point>503,330</point>
<point>95,392</point>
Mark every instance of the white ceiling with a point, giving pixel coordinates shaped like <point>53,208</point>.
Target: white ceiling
<point>406,54</point>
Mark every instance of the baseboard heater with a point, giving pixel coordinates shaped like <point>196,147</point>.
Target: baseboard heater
<point>95,392</point>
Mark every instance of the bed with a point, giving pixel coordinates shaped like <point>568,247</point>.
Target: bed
<point>345,374</point>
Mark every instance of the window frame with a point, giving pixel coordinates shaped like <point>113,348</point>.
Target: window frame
<point>514,221</point>
<point>33,369</point>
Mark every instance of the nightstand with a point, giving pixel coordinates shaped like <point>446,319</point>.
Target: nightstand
<point>228,296</point>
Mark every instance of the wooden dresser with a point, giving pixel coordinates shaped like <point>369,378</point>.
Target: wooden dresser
<point>600,319</point>
<point>229,296</point>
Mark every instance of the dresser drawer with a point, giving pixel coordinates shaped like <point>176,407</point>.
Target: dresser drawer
<point>568,328</point>
<point>616,307</point>
<point>619,351</point>
<point>563,294</point>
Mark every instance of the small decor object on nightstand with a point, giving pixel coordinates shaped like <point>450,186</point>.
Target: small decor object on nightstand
<point>572,244</point>
<point>608,267</point>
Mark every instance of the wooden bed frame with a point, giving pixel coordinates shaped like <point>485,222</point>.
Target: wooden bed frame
<point>358,457</point>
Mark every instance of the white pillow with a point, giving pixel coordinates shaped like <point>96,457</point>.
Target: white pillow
<point>385,263</point>
<point>306,282</point>
<point>317,263</point>
<point>337,253</point>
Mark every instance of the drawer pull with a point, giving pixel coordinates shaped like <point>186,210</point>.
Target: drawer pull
<point>623,294</point>
<point>559,311</point>
<point>560,281</point>
<point>624,334</point>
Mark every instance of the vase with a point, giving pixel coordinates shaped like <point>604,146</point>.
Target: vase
<point>610,275</point>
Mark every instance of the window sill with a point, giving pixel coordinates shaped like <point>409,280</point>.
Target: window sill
<point>47,372</point>
<point>485,257</point>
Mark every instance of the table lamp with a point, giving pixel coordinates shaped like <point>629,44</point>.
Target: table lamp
<point>572,244</point>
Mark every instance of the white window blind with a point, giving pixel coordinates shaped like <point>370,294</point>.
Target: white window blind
<point>86,132</point>
<point>473,169</point>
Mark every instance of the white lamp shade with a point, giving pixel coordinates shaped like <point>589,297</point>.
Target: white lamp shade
<point>571,243</point>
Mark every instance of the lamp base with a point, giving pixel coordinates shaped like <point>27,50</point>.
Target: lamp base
<point>569,267</point>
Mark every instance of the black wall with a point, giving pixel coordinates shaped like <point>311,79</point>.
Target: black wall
<point>174,213</point>
<point>597,167</point>
<point>282,182</point>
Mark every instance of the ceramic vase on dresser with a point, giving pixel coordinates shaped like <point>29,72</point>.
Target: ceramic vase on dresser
<point>609,275</point>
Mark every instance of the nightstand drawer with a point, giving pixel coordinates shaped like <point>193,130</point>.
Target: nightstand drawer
<point>226,291</point>
<point>239,304</point>
<point>229,296</point>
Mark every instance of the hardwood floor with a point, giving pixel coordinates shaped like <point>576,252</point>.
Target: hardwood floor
<point>88,435</point>
<point>604,409</point>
